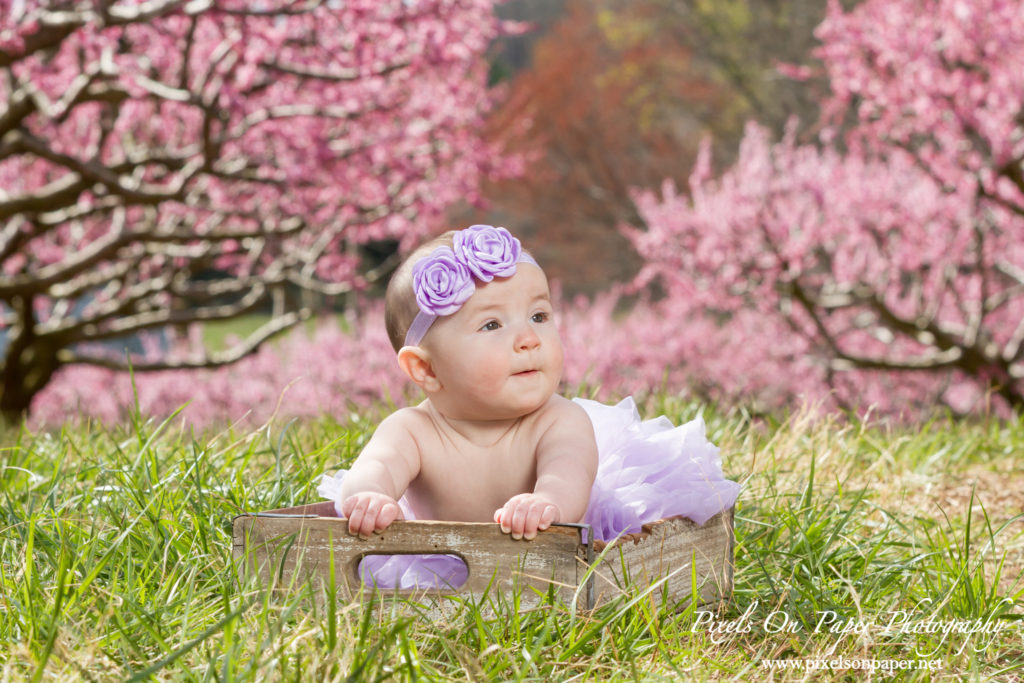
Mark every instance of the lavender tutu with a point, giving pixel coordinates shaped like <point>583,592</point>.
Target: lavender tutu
<point>647,470</point>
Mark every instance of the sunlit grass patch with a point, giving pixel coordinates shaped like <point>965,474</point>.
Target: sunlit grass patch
<point>116,562</point>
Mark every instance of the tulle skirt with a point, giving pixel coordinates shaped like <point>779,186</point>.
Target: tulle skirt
<point>647,470</point>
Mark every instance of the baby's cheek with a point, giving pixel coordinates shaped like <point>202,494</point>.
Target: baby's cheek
<point>557,357</point>
<point>493,372</point>
<point>484,383</point>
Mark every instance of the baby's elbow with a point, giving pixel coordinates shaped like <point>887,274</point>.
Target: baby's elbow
<point>588,466</point>
<point>591,466</point>
<point>577,512</point>
<point>576,507</point>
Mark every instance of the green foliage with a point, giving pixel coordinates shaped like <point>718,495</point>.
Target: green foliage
<point>116,562</point>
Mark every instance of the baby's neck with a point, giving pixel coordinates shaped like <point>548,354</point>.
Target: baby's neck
<point>482,433</point>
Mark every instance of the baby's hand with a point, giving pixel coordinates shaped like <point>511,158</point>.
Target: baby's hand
<point>369,511</point>
<point>526,514</point>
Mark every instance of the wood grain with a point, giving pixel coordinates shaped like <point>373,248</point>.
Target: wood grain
<point>297,544</point>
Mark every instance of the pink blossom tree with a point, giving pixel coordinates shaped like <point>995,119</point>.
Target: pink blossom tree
<point>883,266</point>
<point>328,372</point>
<point>166,162</point>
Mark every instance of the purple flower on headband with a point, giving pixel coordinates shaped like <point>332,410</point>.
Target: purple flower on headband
<point>442,282</point>
<point>489,252</point>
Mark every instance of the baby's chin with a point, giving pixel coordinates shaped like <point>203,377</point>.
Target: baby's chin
<point>495,413</point>
<point>533,406</point>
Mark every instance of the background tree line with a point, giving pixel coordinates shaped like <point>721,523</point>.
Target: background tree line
<point>860,242</point>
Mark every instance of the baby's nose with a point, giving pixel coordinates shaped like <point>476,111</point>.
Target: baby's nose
<point>527,339</point>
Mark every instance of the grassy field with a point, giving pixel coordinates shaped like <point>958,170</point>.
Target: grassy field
<point>857,546</point>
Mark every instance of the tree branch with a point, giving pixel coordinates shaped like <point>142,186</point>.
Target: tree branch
<point>88,257</point>
<point>335,76</point>
<point>61,192</point>
<point>50,34</point>
<point>96,172</point>
<point>56,25</point>
<point>319,286</point>
<point>19,106</point>
<point>265,332</point>
<point>105,249</point>
<point>937,359</point>
<point>124,325</point>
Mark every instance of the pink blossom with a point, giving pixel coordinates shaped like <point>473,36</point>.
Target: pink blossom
<point>888,275</point>
<point>330,372</point>
<point>261,143</point>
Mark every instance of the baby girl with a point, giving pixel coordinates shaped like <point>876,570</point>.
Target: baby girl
<point>471,319</point>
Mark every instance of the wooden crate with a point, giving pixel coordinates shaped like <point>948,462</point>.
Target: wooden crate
<point>292,545</point>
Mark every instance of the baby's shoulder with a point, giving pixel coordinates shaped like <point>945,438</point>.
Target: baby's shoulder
<point>566,428</point>
<point>410,418</point>
<point>404,425</point>
<point>562,412</point>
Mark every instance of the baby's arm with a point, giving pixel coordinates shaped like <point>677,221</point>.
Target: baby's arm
<point>566,466</point>
<point>380,475</point>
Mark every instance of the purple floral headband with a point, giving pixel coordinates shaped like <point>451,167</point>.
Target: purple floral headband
<point>443,281</point>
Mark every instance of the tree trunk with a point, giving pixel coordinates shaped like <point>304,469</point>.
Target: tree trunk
<point>14,400</point>
<point>28,364</point>
<point>24,375</point>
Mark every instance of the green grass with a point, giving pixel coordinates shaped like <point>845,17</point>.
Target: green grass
<point>116,563</point>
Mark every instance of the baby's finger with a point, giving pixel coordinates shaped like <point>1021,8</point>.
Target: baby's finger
<point>518,523</point>
<point>504,517</point>
<point>533,520</point>
<point>549,516</point>
<point>370,517</point>
<point>355,517</point>
<point>388,513</point>
<point>361,519</point>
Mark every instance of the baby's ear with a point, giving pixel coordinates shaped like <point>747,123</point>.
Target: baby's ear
<point>415,363</point>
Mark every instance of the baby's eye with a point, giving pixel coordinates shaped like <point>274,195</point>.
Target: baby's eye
<point>490,326</point>
<point>541,317</point>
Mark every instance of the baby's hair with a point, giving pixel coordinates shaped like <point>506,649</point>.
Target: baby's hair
<point>400,307</point>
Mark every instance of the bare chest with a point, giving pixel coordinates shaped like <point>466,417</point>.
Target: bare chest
<point>462,482</point>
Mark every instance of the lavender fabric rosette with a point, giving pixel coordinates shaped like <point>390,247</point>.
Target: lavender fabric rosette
<point>442,282</point>
<point>488,252</point>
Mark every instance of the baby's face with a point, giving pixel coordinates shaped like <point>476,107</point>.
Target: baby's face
<point>499,356</point>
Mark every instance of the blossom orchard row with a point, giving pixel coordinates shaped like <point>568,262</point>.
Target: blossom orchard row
<point>880,268</point>
<point>334,370</point>
<point>887,270</point>
<point>326,371</point>
<point>331,370</point>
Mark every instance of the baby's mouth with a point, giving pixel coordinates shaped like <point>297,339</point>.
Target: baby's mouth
<point>526,373</point>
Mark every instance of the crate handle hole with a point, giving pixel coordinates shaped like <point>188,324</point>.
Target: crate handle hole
<point>413,572</point>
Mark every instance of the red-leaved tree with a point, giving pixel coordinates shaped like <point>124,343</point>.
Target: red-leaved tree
<point>166,162</point>
<point>885,267</point>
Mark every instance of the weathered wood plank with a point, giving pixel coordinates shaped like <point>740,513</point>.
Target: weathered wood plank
<point>286,545</point>
<point>296,544</point>
<point>671,551</point>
